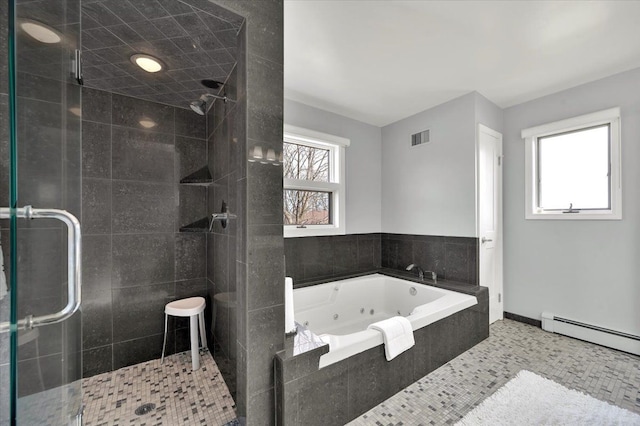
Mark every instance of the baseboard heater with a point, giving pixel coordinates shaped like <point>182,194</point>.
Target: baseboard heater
<point>591,333</point>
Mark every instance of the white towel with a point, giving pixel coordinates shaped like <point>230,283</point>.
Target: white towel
<point>327,339</point>
<point>3,277</point>
<point>289,313</point>
<point>397,334</point>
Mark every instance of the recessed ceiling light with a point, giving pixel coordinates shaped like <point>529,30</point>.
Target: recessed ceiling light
<point>147,123</point>
<point>41,32</point>
<point>147,62</point>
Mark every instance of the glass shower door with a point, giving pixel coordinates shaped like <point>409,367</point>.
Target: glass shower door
<point>40,189</point>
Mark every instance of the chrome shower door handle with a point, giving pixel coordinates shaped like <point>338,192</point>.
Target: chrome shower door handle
<point>74,274</point>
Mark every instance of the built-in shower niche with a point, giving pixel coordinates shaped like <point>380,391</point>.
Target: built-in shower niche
<point>201,225</point>
<point>200,178</point>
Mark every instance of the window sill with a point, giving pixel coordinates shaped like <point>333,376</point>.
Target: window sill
<point>601,215</point>
<point>292,232</point>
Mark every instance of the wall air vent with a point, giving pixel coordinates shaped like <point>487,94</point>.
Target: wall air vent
<point>420,137</point>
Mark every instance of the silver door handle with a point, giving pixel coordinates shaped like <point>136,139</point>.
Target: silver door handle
<point>486,240</point>
<point>74,254</point>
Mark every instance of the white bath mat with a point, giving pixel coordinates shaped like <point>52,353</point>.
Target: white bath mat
<point>529,399</point>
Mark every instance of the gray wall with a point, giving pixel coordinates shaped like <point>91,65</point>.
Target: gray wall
<point>384,172</point>
<point>260,256</point>
<point>413,197</point>
<point>583,270</point>
<point>134,259</point>
<point>488,113</point>
<point>430,189</point>
<point>363,162</point>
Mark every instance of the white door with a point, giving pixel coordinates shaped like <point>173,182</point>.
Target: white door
<point>490,217</point>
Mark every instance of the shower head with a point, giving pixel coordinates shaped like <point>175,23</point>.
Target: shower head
<point>200,106</point>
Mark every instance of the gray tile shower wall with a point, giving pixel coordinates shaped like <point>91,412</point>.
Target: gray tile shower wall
<point>225,129</point>
<point>452,258</point>
<point>134,258</point>
<point>260,273</point>
<point>311,259</point>
<point>315,258</point>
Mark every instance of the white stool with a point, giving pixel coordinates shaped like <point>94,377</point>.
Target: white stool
<point>192,307</point>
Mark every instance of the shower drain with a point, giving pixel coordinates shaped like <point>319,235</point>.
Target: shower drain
<point>145,409</point>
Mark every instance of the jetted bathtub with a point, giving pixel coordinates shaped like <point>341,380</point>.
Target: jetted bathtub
<point>340,311</point>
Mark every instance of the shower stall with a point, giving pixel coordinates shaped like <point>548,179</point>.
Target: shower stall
<point>67,308</point>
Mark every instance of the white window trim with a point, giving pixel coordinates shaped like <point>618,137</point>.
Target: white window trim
<point>530,135</point>
<point>336,146</point>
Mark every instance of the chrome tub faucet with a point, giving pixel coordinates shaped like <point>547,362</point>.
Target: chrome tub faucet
<point>421,272</point>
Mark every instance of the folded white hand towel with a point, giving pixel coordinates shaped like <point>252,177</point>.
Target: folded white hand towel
<point>397,334</point>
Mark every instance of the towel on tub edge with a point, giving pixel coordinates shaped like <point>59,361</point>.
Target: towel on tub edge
<point>397,334</point>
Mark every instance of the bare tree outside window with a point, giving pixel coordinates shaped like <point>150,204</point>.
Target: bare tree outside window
<point>303,162</point>
<point>306,208</point>
<point>306,163</point>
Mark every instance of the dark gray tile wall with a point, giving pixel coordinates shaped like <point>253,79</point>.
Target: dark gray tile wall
<point>225,129</point>
<point>452,258</point>
<point>134,260</point>
<point>342,391</point>
<point>259,244</point>
<point>311,259</point>
<point>316,258</point>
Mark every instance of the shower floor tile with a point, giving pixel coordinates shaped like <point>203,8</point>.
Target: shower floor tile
<point>444,396</point>
<point>181,396</point>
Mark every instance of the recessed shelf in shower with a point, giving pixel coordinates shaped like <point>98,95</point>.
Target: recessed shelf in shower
<point>201,225</point>
<point>202,177</point>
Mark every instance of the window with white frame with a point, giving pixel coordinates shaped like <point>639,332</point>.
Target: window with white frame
<point>573,168</point>
<point>314,183</point>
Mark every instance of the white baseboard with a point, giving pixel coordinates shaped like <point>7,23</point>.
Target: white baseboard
<point>591,333</point>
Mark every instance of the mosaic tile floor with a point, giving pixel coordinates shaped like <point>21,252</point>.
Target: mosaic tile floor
<point>447,394</point>
<point>181,396</point>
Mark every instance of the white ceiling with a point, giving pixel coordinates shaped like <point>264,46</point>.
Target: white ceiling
<point>381,61</point>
